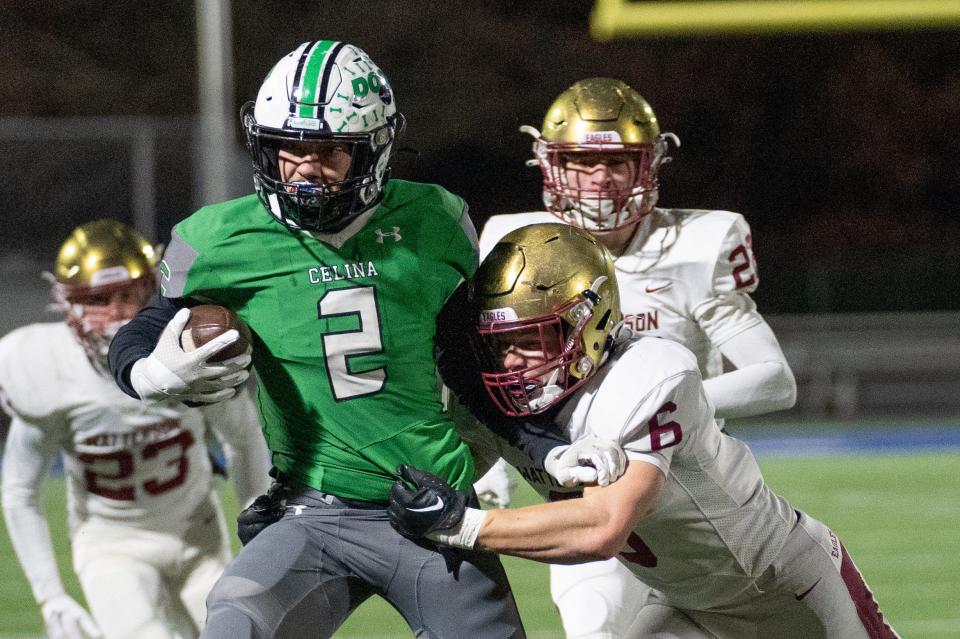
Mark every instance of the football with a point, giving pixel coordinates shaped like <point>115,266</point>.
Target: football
<point>206,322</point>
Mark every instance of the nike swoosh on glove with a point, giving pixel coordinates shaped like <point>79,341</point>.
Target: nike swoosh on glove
<point>64,618</point>
<point>430,505</point>
<point>171,372</point>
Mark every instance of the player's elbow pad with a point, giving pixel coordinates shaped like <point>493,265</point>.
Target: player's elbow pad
<point>787,385</point>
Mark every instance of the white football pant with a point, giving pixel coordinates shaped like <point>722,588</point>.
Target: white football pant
<point>813,590</point>
<point>148,584</point>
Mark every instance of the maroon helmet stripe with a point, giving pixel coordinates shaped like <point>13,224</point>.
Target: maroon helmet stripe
<point>867,608</point>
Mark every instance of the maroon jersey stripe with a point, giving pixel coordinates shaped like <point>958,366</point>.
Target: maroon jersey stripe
<point>867,608</point>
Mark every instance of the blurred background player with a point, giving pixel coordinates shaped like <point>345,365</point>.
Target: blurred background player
<point>722,555</point>
<point>147,533</point>
<point>685,274</point>
<point>341,273</point>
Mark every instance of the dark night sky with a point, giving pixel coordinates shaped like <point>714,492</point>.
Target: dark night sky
<point>840,149</point>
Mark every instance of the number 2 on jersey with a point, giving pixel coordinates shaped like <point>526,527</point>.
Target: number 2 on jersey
<point>744,264</point>
<point>340,346</point>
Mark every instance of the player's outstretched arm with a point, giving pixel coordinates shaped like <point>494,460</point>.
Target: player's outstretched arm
<point>28,453</point>
<point>587,460</point>
<point>590,528</point>
<point>595,526</point>
<point>762,382</point>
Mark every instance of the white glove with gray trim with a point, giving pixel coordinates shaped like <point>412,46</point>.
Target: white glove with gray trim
<point>585,461</point>
<point>172,373</point>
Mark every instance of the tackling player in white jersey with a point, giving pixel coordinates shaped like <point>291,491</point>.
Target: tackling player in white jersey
<point>684,274</point>
<point>147,532</point>
<point>721,554</point>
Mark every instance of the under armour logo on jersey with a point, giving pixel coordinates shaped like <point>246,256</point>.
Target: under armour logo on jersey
<point>297,509</point>
<point>395,234</point>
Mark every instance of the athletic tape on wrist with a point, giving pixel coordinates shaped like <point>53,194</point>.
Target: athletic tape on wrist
<point>464,535</point>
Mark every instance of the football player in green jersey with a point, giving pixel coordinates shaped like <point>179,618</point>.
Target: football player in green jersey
<point>342,276</point>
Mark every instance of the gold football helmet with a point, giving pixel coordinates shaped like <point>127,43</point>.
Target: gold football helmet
<point>103,274</point>
<point>548,308</point>
<point>600,121</point>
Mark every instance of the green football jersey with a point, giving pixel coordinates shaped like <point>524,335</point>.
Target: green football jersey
<point>343,335</point>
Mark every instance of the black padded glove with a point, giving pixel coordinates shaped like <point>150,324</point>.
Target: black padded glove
<point>431,505</point>
<point>265,510</point>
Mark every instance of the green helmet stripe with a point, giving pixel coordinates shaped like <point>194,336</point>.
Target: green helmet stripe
<point>311,79</point>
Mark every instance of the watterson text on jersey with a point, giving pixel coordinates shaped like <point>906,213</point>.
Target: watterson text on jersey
<point>337,272</point>
<point>143,435</point>
<point>643,321</point>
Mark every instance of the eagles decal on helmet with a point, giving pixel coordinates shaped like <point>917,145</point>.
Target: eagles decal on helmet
<point>548,313</point>
<point>600,120</point>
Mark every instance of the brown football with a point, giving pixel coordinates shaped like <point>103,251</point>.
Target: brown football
<point>208,321</point>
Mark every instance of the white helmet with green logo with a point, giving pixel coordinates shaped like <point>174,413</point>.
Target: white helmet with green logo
<point>323,91</point>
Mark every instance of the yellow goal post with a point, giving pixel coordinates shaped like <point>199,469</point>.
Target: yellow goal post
<point>612,19</point>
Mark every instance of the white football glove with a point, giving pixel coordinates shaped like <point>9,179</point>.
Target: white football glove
<point>495,488</point>
<point>587,460</point>
<point>64,618</point>
<point>171,372</point>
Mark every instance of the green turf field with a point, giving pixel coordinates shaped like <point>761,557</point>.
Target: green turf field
<point>899,517</point>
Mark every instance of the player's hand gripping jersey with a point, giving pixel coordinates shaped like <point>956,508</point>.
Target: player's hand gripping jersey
<point>720,555</point>
<point>714,514</point>
<point>686,275</point>
<point>711,549</point>
<point>344,330</point>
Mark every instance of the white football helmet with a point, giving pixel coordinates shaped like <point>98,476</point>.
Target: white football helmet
<point>323,91</point>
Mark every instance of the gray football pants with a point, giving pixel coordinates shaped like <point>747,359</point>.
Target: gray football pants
<point>303,576</point>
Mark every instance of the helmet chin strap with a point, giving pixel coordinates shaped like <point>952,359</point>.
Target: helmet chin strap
<point>277,211</point>
<point>547,394</point>
<point>582,312</point>
<point>601,214</point>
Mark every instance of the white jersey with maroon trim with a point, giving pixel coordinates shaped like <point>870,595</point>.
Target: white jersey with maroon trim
<point>125,461</point>
<point>721,552</point>
<point>686,275</point>
<point>715,515</point>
